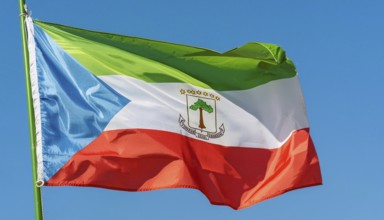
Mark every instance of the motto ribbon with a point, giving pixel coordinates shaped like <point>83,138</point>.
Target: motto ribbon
<point>201,135</point>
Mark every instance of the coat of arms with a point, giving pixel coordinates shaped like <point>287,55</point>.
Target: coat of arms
<point>201,115</point>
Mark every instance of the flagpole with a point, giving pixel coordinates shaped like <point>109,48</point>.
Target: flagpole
<point>31,119</point>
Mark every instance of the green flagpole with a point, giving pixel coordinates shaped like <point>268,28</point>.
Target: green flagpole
<point>31,119</point>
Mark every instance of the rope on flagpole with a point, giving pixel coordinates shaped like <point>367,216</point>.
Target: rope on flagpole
<point>25,12</point>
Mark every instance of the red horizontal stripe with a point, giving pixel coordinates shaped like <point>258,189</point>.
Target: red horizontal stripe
<point>139,160</point>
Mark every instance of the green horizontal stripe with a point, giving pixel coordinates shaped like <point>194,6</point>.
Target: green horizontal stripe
<point>154,61</point>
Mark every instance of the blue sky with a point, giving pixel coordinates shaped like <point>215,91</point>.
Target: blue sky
<point>337,47</point>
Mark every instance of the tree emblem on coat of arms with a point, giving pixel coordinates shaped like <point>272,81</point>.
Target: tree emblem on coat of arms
<point>201,115</point>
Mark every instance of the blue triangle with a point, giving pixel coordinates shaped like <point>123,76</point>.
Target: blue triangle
<point>75,105</point>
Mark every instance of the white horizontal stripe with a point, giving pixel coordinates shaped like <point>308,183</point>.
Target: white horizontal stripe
<point>262,117</point>
<point>279,105</point>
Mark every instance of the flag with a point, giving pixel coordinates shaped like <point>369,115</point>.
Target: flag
<point>135,114</point>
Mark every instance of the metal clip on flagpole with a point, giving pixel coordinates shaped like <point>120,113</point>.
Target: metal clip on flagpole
<point>36,190</point>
